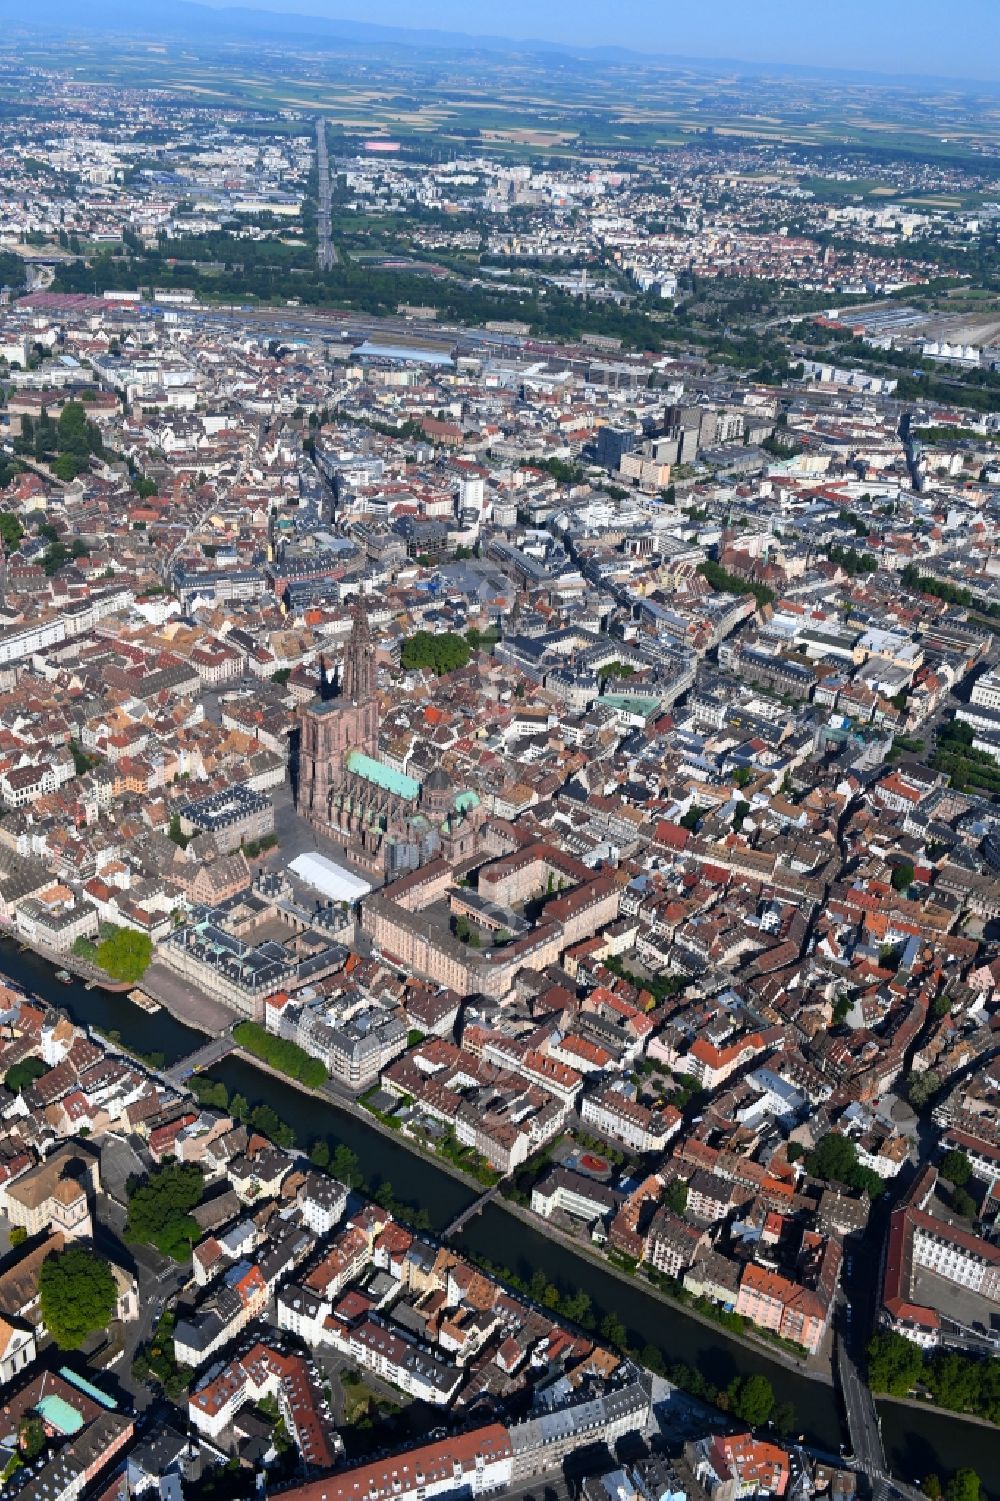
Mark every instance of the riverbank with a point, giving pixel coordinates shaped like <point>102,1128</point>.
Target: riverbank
<point>82,969</point>
<point>918,1440</point>
<point>812,1371</point>
<point>350,1106</point>
<point>946,1412</point>
<point>186,1004</point>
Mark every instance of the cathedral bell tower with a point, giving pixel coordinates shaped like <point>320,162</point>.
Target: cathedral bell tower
<point>359,658</point>
<point>333,729</point>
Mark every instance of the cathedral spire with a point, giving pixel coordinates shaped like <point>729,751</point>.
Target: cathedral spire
<point>358,683</point>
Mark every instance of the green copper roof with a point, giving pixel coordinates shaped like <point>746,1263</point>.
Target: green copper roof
<point>466,800</point>
<point>383,776</point>
<point>645,706</point>
<point>88,1386</point>
<point>57,1412</point>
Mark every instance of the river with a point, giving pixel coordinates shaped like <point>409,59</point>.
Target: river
<point>916,1441</point>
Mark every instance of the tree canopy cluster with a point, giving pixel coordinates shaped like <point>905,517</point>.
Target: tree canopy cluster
<point>22,1075</point>
<point>835,1160</point>
<point>852,561</point>
<point>78,1295</point>
<point>952,594</point>
<point>751,1399</point>
<point>67,444</point>
<point>287,1057</point>
<point>956,1167</point>
<point>730,583</point>
<point>159,1209</point>
<point>342,1163</point>
<point>12,269</point>
<point>440,653</point>
<point>125,954</point>
<point>11,531</point>
<point>961,1383</point>
<point>266,1120</point>
<point>675,1195</point>
<point>263,1118</point>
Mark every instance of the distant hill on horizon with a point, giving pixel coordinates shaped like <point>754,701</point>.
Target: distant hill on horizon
<point>187,20</point>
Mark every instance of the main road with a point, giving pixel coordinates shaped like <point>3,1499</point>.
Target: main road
<point>326,253</point>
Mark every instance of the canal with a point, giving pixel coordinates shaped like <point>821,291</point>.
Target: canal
<point>917,1442</point>
<point>109,1011</point>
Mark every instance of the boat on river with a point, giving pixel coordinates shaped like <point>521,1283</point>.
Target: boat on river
<point>144,1002</point>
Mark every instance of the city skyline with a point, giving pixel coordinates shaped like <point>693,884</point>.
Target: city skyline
<point>500,755</point>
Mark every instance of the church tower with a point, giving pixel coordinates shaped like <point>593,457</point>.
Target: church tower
<point>359,658</point>
<point>332,730</point>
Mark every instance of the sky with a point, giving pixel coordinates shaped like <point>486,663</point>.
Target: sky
<point>956,38</point>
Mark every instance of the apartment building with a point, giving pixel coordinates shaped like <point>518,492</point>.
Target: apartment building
<point>623,1119</point>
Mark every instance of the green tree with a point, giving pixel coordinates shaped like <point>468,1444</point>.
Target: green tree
<point>159,1209</point>
<point>895,1364</point>
<point>31,1438</point>
<point>835,1160</point>
<point>728,583</point>
<point>209,1091</point>
<point>345,1168</point>
<point>56,556</point>
<point>963,1203</point>
<point>613,1331</point>
<point>319,1154</point>
<point>65,468</point>
<point>751,1399</point>
<point>576,1307</point>
<point>176,833</point>
<point>921,1088</point>
<point>287,1057</point>
<point>266,1120</point>
<point>902,876</point>
<point>45,436</point>
<point>22,1075</point>
<point>17,1236</point>
<point>77,1295</point>
<point>675,1195</point>
<point>75,434</point>
<point>783,1418</point>
<point>440,653</point>
<point>931,1488</point>
<point>238,1108</point>
<point>125,955</point>
<point>956,1167</point>
<point>11,531</point>
<point>964,1485</point>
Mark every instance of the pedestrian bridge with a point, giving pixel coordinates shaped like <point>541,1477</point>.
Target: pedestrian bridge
<point>477,1206</point>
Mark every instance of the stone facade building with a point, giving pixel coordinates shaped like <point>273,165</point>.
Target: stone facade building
<point>389,822</point>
